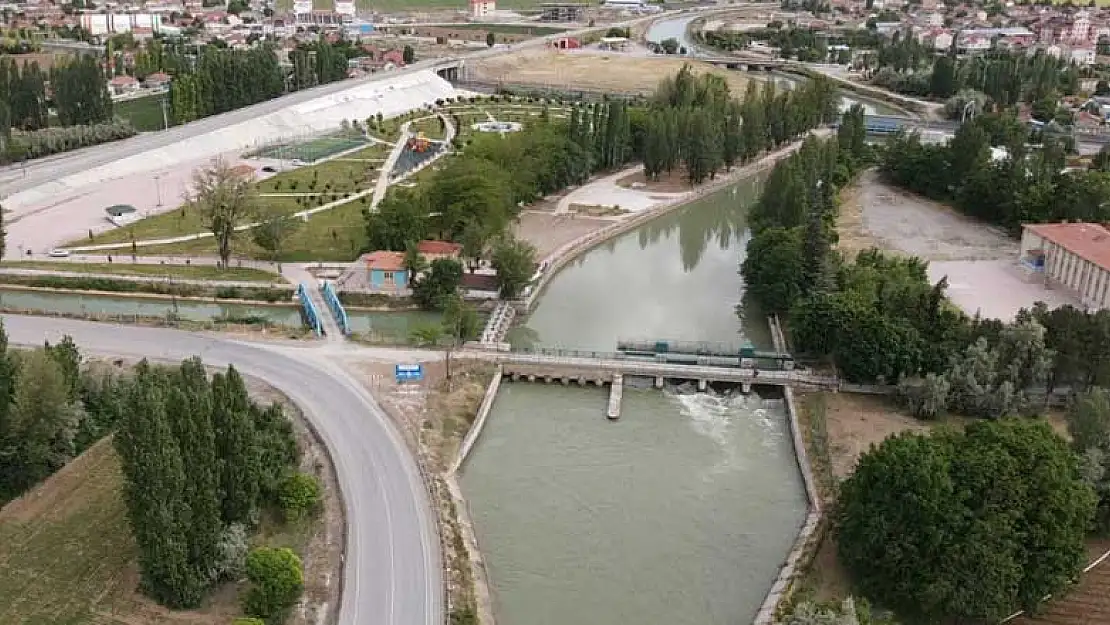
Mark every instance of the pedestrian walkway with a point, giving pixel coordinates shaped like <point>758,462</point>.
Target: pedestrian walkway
<point>298,274</point>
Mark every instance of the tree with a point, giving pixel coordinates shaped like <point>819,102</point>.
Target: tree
<point>3,230</point>
<point>237,449</point>
<point>155,493</point>
<point>225,198</point>
<point>300,496</point>
<point>943,79</point>
<point>426,335</point>
<point>490,39</point>
<point>965,525</point>
<point>772,269</point>
<point>272,234</point>
<point>515,263</point>
<point>408,55</point>
<point>460,321</point>
<point>414,261</point>
<point>276,583</point>
<point>401,218</point>
<point>439,284</point>
<point>1088,419</point>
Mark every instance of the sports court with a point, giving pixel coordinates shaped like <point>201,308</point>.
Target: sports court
<point>312,149</point>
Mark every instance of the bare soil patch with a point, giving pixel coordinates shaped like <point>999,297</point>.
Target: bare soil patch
<point>67,554</point>
<point>874,213</point>
<point>673,182</point>
<point>548,232</point>
<point>608,72</point>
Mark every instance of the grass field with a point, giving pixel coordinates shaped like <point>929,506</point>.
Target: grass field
<point>333,235</point>
<point>124,268</point>
<point>333,179</point>
<point>430,126</point>
<point>145,114</point>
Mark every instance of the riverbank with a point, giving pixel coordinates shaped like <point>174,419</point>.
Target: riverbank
<point>654,208</point>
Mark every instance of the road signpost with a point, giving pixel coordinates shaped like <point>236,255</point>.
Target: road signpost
<point>409,373</point>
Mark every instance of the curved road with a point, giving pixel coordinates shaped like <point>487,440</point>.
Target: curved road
<point>392,571</point>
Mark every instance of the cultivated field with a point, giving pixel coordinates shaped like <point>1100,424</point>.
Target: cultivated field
<point>590,70</point>
<point>145,113</point>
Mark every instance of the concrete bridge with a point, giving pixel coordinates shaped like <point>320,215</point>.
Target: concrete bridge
<point>601,368</point>
<point>743,64</point>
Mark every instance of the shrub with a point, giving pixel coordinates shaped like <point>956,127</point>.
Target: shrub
<point>231,555</point>
<point>299,496</point>
<point>47,141</point>
<point>277,581</point>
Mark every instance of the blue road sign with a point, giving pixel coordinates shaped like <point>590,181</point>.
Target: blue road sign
<point>409,373</point>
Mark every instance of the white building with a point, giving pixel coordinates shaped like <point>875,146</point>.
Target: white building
<point>117,23</point>
<point>1083,56</point>
<point>624,4</point>
<point>482,8</point>
<point>1074,256</point>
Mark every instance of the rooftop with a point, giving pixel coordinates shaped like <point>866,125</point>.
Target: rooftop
<point>385,261</point>
<point>438,248</point>
<point>1091,242</point>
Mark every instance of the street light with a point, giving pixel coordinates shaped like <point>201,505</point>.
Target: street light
<point>158,188</point>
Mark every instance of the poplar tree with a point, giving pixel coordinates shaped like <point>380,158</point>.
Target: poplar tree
<point>189,409</point>
<point>236,448</point>
<point>155,490</point>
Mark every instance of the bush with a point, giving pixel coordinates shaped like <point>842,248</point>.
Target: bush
<point>231,556</point>
<point>39,143</point>
<point>277,581</point>
<point>300,496</point>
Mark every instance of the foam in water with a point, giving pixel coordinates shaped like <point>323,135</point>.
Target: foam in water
<point>727,417</point>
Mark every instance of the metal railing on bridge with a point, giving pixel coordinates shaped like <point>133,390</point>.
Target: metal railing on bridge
<point>311,315</point>
<point>332,300</point>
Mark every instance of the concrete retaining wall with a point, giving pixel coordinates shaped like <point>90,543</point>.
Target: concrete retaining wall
<point>808,535</point>
<point>479,421</point>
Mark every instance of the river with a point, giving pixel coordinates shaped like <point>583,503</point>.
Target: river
<point>684,510</point>
<point>676,28</point>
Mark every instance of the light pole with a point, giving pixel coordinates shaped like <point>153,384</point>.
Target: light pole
<point>158,188</point>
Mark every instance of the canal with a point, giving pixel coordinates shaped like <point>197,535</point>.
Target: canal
<point>382,326</point>
<point>680,513</point>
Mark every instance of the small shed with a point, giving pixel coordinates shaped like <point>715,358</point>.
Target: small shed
<point>386,271</point>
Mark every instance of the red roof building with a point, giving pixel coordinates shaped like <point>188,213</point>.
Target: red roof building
<point>1073,255</point>
<point>432,250</point>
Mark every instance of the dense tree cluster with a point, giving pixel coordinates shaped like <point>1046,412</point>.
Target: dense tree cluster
<point>1088,420</point>
<point>78,95</point>
<point>51,409</point>
<point>804,44</point>
<point>224,80</point>
<point>1019,185</point>
<point>1006,78</point>
<point>965,525</point>
<point>319,62</point>
<point>199,460</point>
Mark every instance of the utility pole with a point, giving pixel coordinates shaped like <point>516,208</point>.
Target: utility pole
<point>165,117</point>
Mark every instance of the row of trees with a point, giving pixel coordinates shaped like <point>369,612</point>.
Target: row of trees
<point>200,459</point>
<point>224,80</point>
<point>1019,185</point>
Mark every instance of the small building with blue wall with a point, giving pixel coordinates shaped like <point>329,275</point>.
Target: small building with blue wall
<point>386,272</point>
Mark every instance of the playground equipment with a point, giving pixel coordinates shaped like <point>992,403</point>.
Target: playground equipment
<point>419,143</point>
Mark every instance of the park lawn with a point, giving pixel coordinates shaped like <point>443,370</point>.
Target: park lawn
<point>145,113</point>
<point>408,5</point>
<point>353,172</point>
<point>431,126</point>
<point>333,235</point>
<point>125,268</point>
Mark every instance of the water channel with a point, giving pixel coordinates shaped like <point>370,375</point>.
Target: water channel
<point>676,28</point>
<point>681,512</point>
<point>385,325</point>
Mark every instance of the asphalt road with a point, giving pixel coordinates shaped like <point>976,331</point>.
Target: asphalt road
<point>392,569</point>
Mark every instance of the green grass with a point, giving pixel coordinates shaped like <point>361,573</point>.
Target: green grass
<point>431,127</point>
<point>333,235</point>
<point>145,114</point>
<point>510,29</point>
<point>333,179</point>
<point>124,268</point>
<point>315,149</point>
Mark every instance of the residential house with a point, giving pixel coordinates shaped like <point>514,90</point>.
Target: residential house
<point>386,271</point>
<point>157,80</point>
<point>122,85</point>
<point>434,250</point>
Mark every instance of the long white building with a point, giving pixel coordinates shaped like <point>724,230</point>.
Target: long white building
<point>1074,256</point>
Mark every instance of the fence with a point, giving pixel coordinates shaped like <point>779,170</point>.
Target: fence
<point>332,300</point>
<point>311,315</point>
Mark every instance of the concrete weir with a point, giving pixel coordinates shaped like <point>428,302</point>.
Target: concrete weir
<point>616,393</point>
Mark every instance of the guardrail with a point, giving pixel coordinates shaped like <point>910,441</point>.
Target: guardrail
<point>311,315</point>
<point>498,324</point>
<point>332,300</point>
